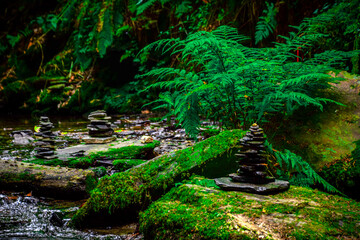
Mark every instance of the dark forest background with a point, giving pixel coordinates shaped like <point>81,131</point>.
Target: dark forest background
<point>77,56</point>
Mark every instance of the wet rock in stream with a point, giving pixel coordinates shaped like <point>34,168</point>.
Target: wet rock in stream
<point>24,219</point>
<point>22,137</point>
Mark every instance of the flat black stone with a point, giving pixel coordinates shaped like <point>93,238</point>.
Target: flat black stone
<point>45,153</point>
<point>249,178</point>
<point>45,129</point>
<point>98,127</point>
<point>46,157</point>
<point>97,114</point>
<point>258,138</point>
<point>100,122</point>
<point>43,123</point>
<point>247,161</point>
<point>44,119</point>
<point>43,149</point>
<point>103,127</point>
<point>107,133</point>
<point>227,184</point>
<point>253,167</point>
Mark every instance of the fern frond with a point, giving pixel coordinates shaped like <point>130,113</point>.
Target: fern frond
<point>141,7</point>
<point>266,24</point>
<point>106,34</point>
<point>293,163</point>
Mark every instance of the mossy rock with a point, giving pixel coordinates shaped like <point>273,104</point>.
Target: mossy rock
<point>195,210</point>
<point>59,182</point>
<point>123,194</point>
<point>129,152</point>
<point>125,164</point>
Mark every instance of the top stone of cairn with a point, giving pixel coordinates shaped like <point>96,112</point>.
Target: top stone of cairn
<point>98,115</point>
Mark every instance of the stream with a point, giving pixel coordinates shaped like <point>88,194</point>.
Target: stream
<point>23,216</point>
<point>27,217</point>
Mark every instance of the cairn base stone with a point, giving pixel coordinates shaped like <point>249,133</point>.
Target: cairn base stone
<point>250,179</point>
<point>46,157</point>
<point>227,184</point>
<point>99,140</point>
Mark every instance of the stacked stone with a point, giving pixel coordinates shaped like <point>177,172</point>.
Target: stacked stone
<point>252,161</point>
<point>46,146</point>
<point>99,124</point>
<point>45,128</point>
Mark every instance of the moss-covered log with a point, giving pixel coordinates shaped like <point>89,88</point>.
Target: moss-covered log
<point>199,210</point>
<point>123,194</point>
<point>59,182</point>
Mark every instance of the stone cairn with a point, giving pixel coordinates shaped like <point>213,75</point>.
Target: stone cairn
<point>251,175</point>
<point>46,145</point>
<point>99,124</point>
<point>252,161</point>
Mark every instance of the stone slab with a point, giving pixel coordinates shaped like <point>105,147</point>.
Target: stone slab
<point>227,184</point>
<point>99,140</point>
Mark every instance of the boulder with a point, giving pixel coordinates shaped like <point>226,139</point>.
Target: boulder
<point>198,209</point>
<point>59,182</point>
<point>22,137</point>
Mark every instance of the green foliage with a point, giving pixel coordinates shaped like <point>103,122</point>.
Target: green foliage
<point>124,99</point>
<point>210,131</point>
<point>106,34</point>
<point>266,24</point>
<point>293,168</point>
<point>226,81</point>
<point>343,23</point>
<point>344,173</point>
<point>143,5</point>
<point>73,38</point>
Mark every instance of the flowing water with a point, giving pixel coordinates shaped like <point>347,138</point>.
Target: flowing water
<point>26,217</point>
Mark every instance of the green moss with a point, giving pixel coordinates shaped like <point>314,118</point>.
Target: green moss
<point>91,182</point>
<point>7,178</point>
<point>124,164</point>
<point>192,211</point>
<point>139,186</point>
<point>52,162</point>
<point>209,132</point>
<point>130,152</point>
<point>155,119</point>
<point>99,171</point>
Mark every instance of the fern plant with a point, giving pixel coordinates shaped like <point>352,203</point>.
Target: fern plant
<point>226,81</point>
<point>266,24</point>
<point>293,168</point>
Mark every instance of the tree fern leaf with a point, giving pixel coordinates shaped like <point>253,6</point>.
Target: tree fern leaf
<point>141,7</point>
<point>106,34</point>
<point>266,24</point>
